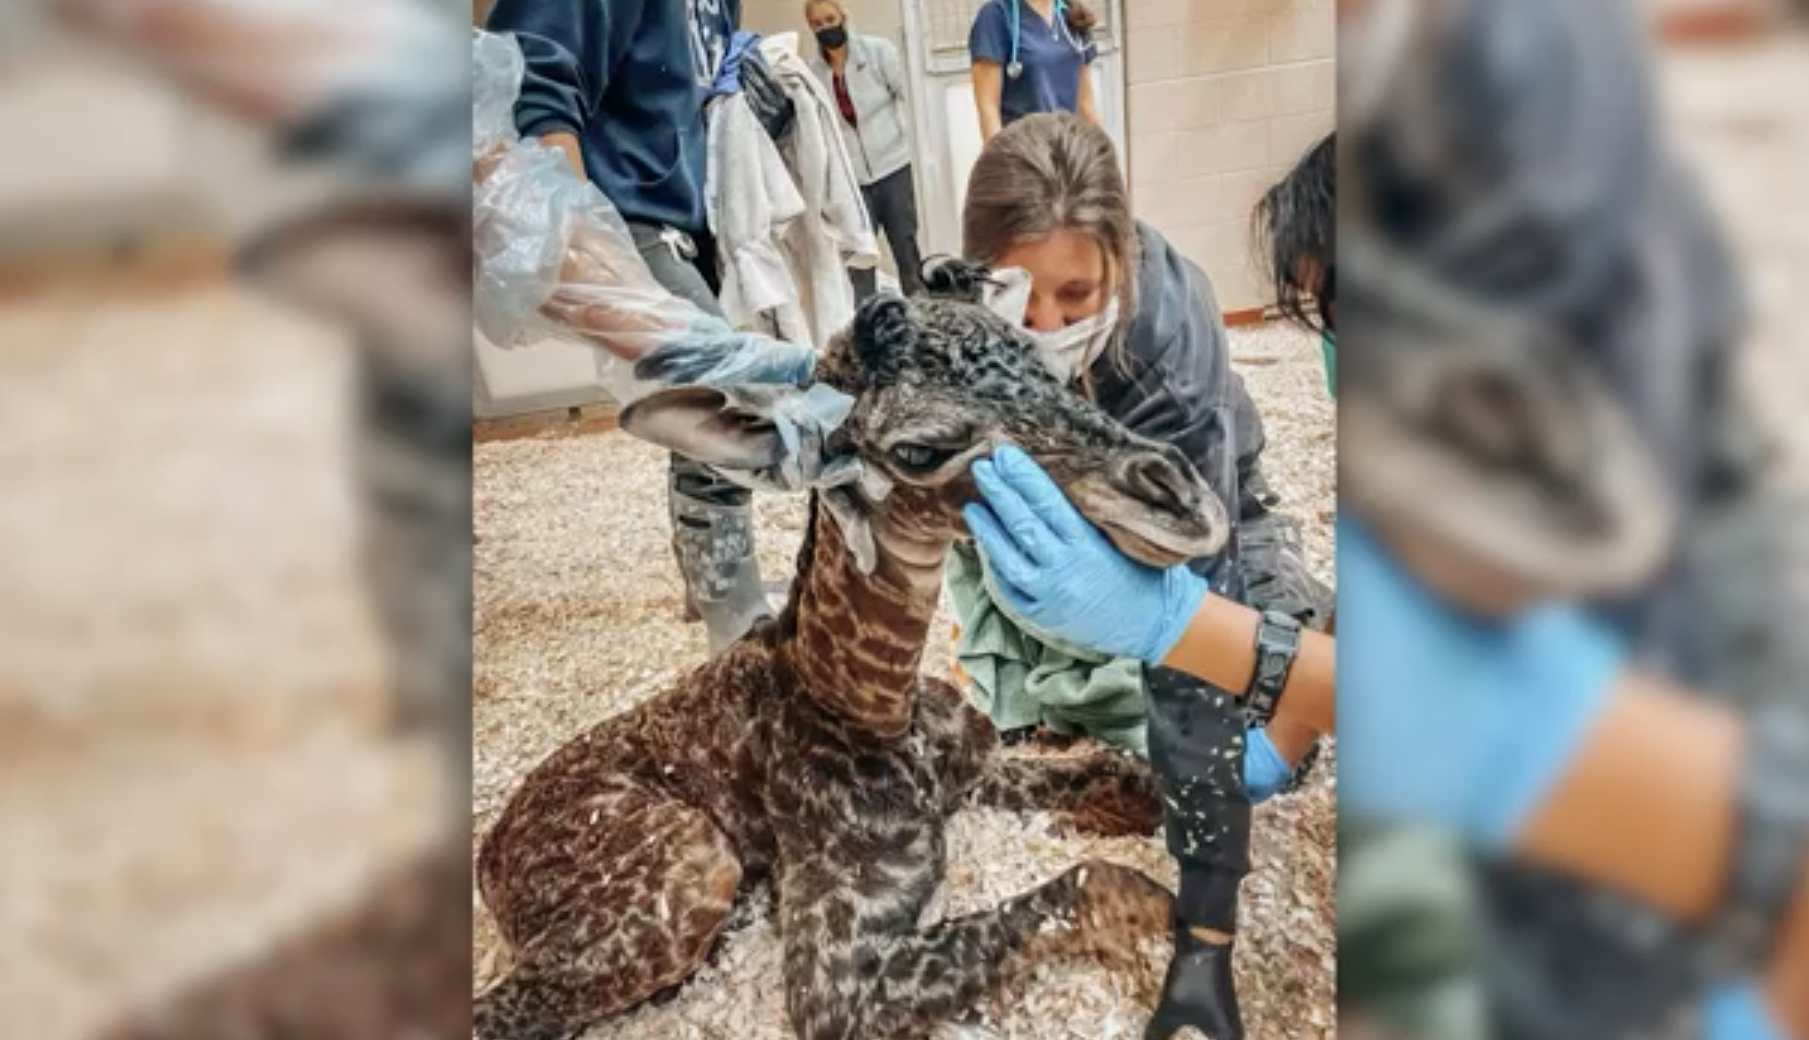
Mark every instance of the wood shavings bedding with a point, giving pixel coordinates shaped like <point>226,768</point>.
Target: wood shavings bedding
<point>578,619</point>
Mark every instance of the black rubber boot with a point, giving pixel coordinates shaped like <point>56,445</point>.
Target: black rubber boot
<point>1196,744</point>
<point>1199,991</point>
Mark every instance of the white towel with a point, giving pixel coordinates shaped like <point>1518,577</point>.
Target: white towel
<point>752,202</point>
<point>835,231</point>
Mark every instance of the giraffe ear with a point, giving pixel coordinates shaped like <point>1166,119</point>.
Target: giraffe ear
<point>882,327</point>
<point>774,436</point>
<point>702,423</point>
<point>952,278</point>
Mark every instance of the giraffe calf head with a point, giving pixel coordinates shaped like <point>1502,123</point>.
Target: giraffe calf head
<point>935,384</point>
<point>938,383</point>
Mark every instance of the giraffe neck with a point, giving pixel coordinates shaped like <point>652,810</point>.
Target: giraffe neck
<point>855,640</point>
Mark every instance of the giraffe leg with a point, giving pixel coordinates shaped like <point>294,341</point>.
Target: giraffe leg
<point>846,979</point>
<point>607,903</point>
<point>1102,793</point>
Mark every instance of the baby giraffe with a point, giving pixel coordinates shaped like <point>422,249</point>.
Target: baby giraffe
<point>813,755</point>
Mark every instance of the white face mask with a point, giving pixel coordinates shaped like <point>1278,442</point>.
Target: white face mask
<point>1065,352</point>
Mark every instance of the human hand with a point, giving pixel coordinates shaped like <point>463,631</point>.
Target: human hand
<point>555,259</point>
<point>1449,720</point>
<point>1057,573</point>
<point>604,292</point>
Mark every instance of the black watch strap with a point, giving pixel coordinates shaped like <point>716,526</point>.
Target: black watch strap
<point>1277,643</point>
<point>1772,843</point>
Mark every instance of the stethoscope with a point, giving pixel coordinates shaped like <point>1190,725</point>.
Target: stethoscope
<point>1016,68</point>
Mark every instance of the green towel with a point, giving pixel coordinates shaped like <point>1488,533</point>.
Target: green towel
<point>1023,679</point>
<point>1328,350</point>
<point>1407,933</point>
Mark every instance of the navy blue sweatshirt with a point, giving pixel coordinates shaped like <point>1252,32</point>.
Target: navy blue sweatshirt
<point>628,78</point>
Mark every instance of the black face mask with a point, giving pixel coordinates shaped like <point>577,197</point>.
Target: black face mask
<point>833,37</point>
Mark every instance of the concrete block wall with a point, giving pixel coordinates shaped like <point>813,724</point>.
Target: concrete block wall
<point>1225,96</point>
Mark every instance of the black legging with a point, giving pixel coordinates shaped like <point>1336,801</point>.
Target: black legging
<point>892,202</point>
<point>1195,739</point>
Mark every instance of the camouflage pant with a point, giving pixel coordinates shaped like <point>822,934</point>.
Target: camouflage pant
<point>414,471</point>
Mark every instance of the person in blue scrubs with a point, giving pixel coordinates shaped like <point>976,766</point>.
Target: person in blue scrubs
<point>1031,56</point>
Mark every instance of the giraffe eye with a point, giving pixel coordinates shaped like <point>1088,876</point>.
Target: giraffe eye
<point>919,458</point>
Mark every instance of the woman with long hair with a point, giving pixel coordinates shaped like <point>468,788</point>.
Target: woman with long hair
<point>1296,231</point>
<point>1049,240</point>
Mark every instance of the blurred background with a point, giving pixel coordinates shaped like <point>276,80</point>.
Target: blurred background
<point>234,540</point>
<point>1611,192</point>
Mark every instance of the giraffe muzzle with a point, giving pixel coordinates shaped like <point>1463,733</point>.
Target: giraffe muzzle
<point>1154,506</point>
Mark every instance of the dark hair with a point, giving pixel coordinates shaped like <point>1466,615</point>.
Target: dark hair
<point>1081,19</point>
<point>1295,231</point>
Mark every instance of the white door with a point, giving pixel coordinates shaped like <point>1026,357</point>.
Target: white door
<point>948,128</point>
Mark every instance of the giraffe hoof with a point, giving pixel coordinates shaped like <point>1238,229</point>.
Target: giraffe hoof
<point>1118,908</point>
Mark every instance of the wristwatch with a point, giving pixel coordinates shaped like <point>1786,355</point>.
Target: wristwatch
<point>1277,642</point>
<point>1773,838</point>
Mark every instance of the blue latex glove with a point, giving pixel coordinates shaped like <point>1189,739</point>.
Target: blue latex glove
<point>1265,771</point>
<point>1056,572</point>
<point>1452,721</point>
<point>1738,1012</point>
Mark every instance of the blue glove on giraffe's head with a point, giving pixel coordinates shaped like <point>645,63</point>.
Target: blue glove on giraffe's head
<point>1057,574</point>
